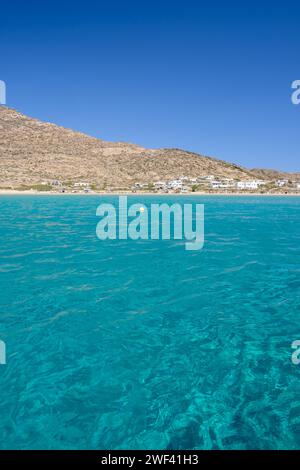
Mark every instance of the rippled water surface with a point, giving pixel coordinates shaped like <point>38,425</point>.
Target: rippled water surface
<point>142,344</point>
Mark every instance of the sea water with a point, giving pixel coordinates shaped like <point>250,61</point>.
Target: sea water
<point>123,344</point>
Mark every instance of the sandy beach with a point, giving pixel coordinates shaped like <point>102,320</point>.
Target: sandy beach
<point>11,192</point>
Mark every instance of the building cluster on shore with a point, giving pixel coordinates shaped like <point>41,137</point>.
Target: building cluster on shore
<point>182,184</point>
<point>57,185</point>
<point>211,183</point>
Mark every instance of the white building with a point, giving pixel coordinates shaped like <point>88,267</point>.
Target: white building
<point>250,185</point>
<point>226,184</point>
<point>81,184</point>
<point>281,183</point>
<point>175,184</point>
<point>160,185</point>
<point>56,183</point>
<point>215,184</point>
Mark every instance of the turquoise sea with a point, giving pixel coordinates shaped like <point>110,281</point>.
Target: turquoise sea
<point>142,344</point>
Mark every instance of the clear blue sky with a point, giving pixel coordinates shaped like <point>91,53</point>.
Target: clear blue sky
<point>212,77</point>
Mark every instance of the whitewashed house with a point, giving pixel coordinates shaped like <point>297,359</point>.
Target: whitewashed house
<point>81,184</point>
<point>281,183</point>
<point>215,184</point>
<point>224,184</point>
<point>175,184</point>
<point>160,184</point>
<point>249,185</point>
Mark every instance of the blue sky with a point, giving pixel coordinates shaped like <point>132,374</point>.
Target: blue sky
<point>212,77</point>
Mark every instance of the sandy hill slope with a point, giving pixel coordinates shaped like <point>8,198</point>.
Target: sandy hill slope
<point>32,151</point>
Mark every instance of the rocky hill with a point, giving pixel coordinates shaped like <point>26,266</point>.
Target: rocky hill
<point>32,151</point>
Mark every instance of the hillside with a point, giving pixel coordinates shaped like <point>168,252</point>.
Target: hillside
<point>32,151</point>
<point>273,174</point>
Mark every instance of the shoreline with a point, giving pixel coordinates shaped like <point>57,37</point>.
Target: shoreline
<point>12,192</point>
